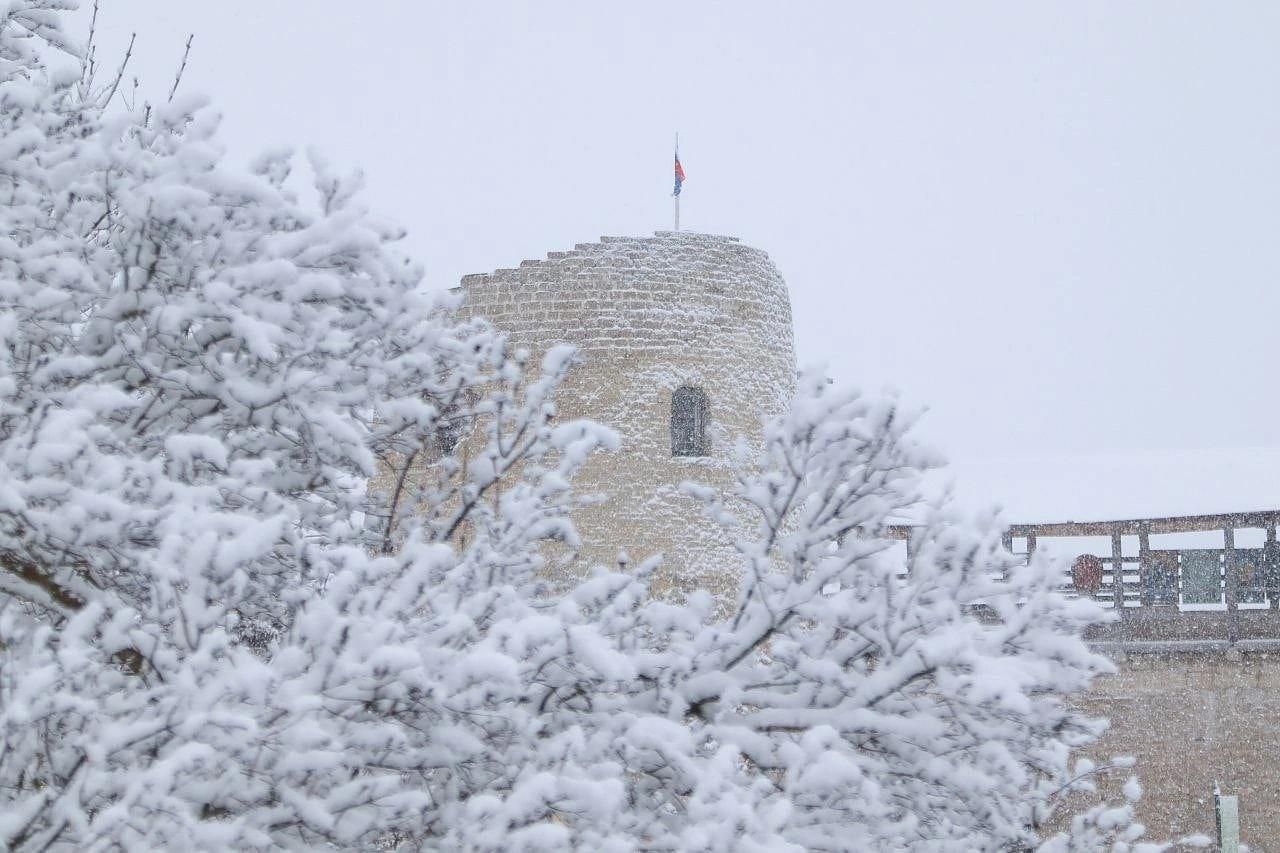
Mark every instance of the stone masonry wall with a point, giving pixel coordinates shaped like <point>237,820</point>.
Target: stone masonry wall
<point>650,314</point>
<point>1190,721</point>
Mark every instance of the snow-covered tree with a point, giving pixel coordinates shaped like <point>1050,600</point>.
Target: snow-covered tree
<point>216,634</point>
<point>198,375</point>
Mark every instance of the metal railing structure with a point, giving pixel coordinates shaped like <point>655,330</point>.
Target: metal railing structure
<point>1179,583</point>
<point>1189,594</point>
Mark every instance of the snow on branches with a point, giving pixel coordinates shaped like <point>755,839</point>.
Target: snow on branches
<point>214,634</point>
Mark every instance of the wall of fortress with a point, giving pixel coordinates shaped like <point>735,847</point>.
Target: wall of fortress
<point>1191,720</point>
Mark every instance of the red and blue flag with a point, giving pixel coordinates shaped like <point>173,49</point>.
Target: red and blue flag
<point>679,175</point>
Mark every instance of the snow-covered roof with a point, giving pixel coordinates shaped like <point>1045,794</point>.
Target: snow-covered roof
<point>1106,486</point>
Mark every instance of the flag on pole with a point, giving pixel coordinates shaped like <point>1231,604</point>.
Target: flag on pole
<point>679,174</point>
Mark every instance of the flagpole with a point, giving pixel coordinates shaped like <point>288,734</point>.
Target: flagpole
<point>676,196</point>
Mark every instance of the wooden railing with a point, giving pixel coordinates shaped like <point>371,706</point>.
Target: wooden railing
<point>1223,594</point>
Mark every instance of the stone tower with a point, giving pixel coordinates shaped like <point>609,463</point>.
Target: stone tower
<point>686,343</point>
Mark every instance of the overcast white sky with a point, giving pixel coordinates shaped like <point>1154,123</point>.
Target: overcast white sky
<point>1054,223</point>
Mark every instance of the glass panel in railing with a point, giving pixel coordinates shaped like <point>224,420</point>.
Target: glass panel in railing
<point>1250,570</point>
<point>1160,579</point>
<point>1201,576</point>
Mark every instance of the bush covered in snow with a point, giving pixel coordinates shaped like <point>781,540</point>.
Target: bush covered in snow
<point>214,636</point>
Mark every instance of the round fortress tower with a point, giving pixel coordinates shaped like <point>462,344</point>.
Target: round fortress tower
<point>686,346</point>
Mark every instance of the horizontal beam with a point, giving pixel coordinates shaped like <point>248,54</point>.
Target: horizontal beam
<point>1150,526</point>
<point>1185,647</point>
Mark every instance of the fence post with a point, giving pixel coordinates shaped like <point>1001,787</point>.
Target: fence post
<point>1273,600</point>
<point>1144,565</point>
<point>1117,574</point>
<point>1233,585</point>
